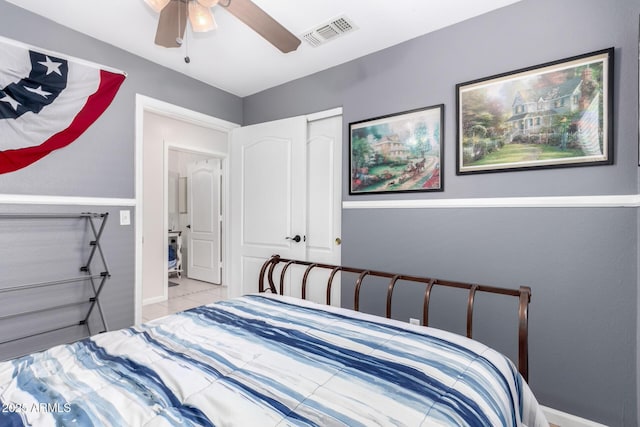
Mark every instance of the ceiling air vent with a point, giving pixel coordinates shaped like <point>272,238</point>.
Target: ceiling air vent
<point>329,31</point>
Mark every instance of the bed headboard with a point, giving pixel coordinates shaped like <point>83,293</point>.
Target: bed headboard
<point>523,294</point>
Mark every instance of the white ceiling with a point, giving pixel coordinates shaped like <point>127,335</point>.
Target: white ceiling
<point>236,59</point>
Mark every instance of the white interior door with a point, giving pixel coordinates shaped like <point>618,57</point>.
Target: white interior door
<point>268,184</point>
<point>204,195</point>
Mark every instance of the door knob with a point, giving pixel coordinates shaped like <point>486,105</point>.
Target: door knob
<point>338,241</point>
<point>295,238</point>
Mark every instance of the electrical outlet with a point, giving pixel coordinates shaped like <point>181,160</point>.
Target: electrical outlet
<point>414,321</point>
<point>125,217</point>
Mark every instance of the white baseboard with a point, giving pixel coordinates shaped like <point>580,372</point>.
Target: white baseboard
<point>154,300</point>
<point>562,419</point>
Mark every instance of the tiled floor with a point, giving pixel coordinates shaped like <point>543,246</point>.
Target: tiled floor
<point>189,293</point>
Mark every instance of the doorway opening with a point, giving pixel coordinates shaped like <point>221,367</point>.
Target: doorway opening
<point>158,126</point>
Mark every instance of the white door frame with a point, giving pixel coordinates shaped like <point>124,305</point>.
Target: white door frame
<point>144,103</point>
<point>210,154</point>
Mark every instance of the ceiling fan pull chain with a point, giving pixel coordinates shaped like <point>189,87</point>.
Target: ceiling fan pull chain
<point>186,48</point>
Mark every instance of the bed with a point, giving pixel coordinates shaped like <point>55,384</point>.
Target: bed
<point>266,359</point>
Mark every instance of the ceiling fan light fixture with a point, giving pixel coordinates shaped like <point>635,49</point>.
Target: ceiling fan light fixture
<point>201,18</point>
<point>157,5</point>
<point>208,3</point>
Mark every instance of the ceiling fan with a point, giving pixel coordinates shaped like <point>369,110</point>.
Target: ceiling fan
<point>174,13</point>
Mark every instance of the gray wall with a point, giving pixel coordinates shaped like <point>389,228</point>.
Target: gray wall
<point>581,263</point>
<point>99,164</point>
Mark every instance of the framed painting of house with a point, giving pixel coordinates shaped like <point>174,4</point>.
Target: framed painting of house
<point>400,152</point>
<point>557,114</point>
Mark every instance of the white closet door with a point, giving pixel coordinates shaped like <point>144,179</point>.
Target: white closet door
<point>324,203</point>
<point>286,185</point>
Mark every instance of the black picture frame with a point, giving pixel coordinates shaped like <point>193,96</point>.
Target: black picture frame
<point>557,114</point>
<point>398,153</point>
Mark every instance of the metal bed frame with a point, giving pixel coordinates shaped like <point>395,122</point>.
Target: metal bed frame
<point>523,294</point>
<point>97,223</point>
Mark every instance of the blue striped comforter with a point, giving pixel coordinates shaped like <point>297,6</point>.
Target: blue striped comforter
<point>264,360</point>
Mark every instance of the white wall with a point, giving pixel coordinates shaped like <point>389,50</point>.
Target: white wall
<point>157,130</point>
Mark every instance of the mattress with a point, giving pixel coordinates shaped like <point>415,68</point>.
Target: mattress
<point>268,360</point>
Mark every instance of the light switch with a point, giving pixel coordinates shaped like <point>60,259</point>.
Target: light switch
<point>125,217</point>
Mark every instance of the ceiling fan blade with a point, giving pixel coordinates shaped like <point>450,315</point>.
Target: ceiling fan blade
<point>171,24</point>
<point>263,24</point>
